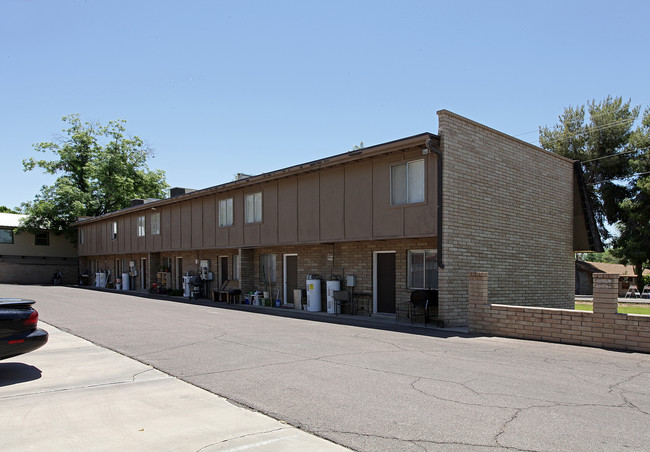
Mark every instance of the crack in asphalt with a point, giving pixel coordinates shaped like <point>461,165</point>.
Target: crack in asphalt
<point>616,390</point>
<point>188,344</point>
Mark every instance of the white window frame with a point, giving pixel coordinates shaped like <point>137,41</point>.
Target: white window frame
<point>141,226</point>
<point>155,223</point>
<point>253,207</point>
<point>432,254</point>
<point>114,230</point>
<point>225,212</point>
<point>412,196</point>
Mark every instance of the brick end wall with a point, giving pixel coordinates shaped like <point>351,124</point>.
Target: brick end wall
<point>507,209</point>
<point>604,327</point>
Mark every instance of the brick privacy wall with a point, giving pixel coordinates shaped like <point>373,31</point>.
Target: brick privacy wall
<point>507,209</point>
<point>604,327</point>
<point>327,260</point>
<point>13,273</point>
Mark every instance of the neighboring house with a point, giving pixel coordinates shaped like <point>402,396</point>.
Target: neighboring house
<point>27,258</point>
<point>585,270</point>
<point>416,213</point>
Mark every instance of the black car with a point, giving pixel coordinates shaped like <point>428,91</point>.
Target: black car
<point>18,328</point>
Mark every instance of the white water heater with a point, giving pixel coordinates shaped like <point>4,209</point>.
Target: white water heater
<point>125,281</point>
<point>313,295</point>
<point>331,286</point>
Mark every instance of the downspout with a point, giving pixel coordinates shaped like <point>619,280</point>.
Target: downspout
<point>432,148</point>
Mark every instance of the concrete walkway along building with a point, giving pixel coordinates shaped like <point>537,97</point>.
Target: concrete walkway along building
<point>417,213</point>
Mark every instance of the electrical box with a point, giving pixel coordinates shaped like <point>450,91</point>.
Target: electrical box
<point>351,281</point>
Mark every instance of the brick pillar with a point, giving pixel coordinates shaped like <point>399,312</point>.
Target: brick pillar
<point>478,300</point>
<point>605,293</point>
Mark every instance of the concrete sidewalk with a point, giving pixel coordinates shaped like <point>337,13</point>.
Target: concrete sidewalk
<point>73,395</point>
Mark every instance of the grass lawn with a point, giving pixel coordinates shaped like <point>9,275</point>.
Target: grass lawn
<point>622,308</point>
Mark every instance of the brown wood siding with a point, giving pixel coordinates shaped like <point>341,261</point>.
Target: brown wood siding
<point>186,225</point>
<point>269,226</point>
<point>209,221</point>
<point>197,223</point>
<point>332,204</point>
<point>124,234</point>
<point>308,207</point>
<point>288,210</point>
<point>343,203</point>
<point>176,226</point>
<point>358,201</point>
<point>166,228</point>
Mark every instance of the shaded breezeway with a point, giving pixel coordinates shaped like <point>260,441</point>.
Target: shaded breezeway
<point>375,388</point>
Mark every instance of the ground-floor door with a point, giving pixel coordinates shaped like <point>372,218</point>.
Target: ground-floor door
<point>384,282</point>
<point>290,277</point>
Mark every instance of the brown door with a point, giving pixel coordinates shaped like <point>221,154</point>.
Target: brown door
<point>386,283</point>
<point>291,277</point>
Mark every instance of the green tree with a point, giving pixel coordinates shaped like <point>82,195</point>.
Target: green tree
<point>633,244</point>
<point>606,256</point>
<point>597,141</point>
<point>5,209</point>
<point>100,169</point>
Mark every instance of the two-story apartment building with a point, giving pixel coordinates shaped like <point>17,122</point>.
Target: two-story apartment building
<point>33,258</point>
<point>419,212</point>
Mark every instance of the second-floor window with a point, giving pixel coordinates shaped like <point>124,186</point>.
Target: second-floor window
<point>155,223</point>
<point>407,183</point>
<point>82,236</point>
<point>225,212</point>
<point>114,230</point>
<point>141,226</point>
<point>254,208</point>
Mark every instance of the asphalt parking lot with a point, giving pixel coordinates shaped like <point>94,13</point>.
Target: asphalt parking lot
<point>74,395</point>
<point>371,388</point>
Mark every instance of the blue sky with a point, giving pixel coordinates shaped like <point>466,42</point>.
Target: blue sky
<point>220,87</point>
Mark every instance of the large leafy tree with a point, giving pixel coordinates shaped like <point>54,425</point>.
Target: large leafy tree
<point>100,169</point>
<point>601,141</point>
<point>633,244</point>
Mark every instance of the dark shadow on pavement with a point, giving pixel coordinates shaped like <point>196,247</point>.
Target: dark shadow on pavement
<point>12,373</point>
